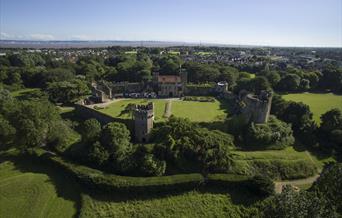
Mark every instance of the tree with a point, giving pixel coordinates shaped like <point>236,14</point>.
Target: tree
<point>90,130</point>
<point>151,166</point>
<point>331,120</point>
<point>261,185</point>
<point>329,185</point>
<point>188,146</point>
<point>273,77</point>
<point>290,83</point>
<point>97,154</point>
<point>331,79</point>
<point>274,134</point>
<point>34,121</point>
<point>54,75</point>
<point>290,204</point>
<point>115,137</point>
<point>296,114</point>
<point>7,131</point>
<point>260,83</point>
<point>67,91</point>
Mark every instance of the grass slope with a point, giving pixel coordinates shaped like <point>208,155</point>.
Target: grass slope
<point>189,204</point>
<point>278,164</point>
<point>27,191</point>
<point>318,103</point>
<point>195,111</point>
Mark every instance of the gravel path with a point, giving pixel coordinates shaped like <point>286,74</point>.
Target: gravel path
<point>279,185</point>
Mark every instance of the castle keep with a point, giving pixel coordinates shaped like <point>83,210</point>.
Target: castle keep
<point>143,121</point>
<point>256,108</point>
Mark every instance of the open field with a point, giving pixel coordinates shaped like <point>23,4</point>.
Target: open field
<point>28,190</point>
<point>195,111</point>
<point>318,103</point>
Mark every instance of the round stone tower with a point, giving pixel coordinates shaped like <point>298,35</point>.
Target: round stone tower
<point>143,121</point>
<point>257,107</point>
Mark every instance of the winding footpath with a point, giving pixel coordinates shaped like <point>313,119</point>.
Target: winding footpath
<point>279,185</point>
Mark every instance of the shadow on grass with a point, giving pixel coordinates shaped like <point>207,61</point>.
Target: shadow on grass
<point>66,187</point>
<point>237,194</point>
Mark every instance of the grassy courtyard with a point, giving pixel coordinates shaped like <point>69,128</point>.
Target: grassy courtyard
<point>29,190</point>
<point>318,103</point>
<point>195,111</point>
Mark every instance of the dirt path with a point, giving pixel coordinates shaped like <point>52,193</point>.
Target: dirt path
<point>279,185</point>
<point>167,111</point>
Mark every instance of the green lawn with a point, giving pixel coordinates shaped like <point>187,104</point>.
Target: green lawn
<point>28,190</point>
<point>23,92</point>
<point>318,103</point>
<point>195,111</point>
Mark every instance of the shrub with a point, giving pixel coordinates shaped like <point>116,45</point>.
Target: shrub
<point>275,169</point>
<point>272,135</point>
<point>98,181</point>
<point>261,185</point>
<point>329,185</point>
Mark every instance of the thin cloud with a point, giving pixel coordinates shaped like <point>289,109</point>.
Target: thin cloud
<point>4,35</point>
<point>39,36</point>
<point>80,37</point>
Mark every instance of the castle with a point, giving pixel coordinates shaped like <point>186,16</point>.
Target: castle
<point>256,108</point>
<point>170,85</point>
<point>143,121</point>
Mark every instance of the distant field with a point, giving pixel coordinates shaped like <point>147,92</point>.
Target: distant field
<point>204,53</point>
<point>318,103</point>
<point>173,52</point>
<point>26,191</point>
<point>195,111</point>
<point>189,204</point>
<point>131,52</point>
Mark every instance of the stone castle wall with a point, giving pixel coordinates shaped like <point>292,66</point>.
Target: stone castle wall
<point>88,113</point>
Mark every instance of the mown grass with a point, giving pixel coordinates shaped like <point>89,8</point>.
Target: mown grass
<point>318,103</point>
<point>278,164</point>
<point>21,92</point>
<point>195,111</point>
<point>31,190</point>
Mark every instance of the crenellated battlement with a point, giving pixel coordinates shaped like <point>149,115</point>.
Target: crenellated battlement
<point>143,121</point>
<point>256,107</point>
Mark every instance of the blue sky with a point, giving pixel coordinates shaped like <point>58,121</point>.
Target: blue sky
<point>255,22</point>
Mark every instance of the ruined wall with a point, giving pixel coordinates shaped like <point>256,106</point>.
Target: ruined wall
<point>88,113</point>
<point>257,108</point>
<point>199,90</point>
